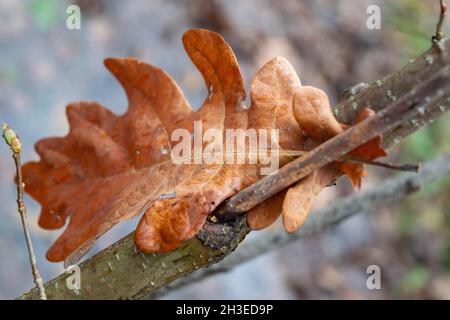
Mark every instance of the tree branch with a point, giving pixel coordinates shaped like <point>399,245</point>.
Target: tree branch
<point>384,194</point>
<point>120,272</point>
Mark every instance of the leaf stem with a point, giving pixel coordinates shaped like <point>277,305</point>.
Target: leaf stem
<point>410,167</point>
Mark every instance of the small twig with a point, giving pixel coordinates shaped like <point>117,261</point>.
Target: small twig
<point>440,25</point>
<point>410,167</point>
<point>14,142</point>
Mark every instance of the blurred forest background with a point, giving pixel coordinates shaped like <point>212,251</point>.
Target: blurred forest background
<point>44,66</point>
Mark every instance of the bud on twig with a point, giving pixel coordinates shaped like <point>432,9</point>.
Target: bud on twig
<point>11,138</point>
<point>13,141</point>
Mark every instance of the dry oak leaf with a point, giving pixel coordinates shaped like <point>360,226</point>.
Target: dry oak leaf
<point>314,115</point>
<point>110,168</point>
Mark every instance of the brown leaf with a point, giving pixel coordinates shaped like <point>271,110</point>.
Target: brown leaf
<point>368,151</point>
<point>113,167</point>
<point>299,199</point>
<point>266,213</point>
<point>371,149</point>
<point>314,114</point>
<point>110,168</point>
<point>272,94</point>
<point>167,223</point>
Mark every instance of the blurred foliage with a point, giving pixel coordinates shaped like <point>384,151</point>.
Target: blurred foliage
<point>9,74</point>
<point>426,144</point>
<point>422,220</point>
<point>44,12</point>
<point>406,17</point>
<point>414,279</point>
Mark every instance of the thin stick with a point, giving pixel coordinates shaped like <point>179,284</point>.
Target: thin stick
<point>409,167</point>
<point>440,25</point>
<point>13,141</point>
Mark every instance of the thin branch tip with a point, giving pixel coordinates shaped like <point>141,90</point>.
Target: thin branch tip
<point>409,167</point>
<point>439,35</point>
<point>13,141</point>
